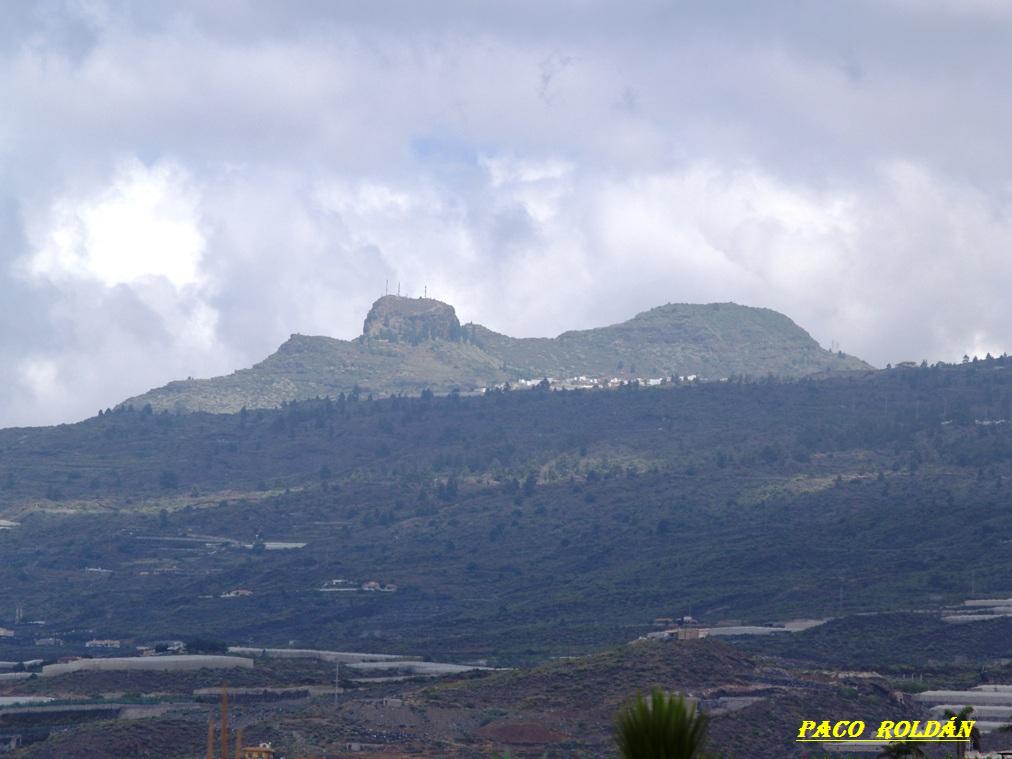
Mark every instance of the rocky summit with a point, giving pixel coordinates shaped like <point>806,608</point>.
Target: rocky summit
<point>411,320</point>
<point>412,344</point>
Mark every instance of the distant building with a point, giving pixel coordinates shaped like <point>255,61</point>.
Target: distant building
<point>374,586</point>
<point>48,641</point>
<point>676,633</point>
<point>263,751</point>
<point>97,643</point>
<point>162,647</point>
<point>5,633</point>
<point>237,593</point>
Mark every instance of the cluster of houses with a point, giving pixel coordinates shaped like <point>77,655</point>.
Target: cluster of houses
<point>102,644</point>
<point>584,382</point>
<point>54,642</point>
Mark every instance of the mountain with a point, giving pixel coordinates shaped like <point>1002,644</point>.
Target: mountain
<point>410,344</point>
<point>711,341</point>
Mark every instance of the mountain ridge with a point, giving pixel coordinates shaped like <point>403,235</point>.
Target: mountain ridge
<point>409,345</point>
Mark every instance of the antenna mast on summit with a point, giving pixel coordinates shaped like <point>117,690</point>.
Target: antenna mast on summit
<point>426,292</point>
<point>398,289</point>
<point>386,287</point>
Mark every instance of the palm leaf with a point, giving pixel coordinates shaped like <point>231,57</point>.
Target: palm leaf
<point>663,727</point>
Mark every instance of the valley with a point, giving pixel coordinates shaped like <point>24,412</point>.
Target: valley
<point>519,528</point>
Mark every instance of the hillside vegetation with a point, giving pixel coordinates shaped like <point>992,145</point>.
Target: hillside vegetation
<point>408,345</point>
<point>515,524</point>
<point>575,700</point>
<point>563,708</point>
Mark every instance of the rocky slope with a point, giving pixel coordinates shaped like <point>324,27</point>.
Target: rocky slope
<point>408,345</point>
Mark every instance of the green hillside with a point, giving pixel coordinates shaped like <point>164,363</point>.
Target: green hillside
<point>408,345</point>
<point>516,525</point>
<point>711,341</point>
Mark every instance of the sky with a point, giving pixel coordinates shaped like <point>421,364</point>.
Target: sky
<point>185,184</point>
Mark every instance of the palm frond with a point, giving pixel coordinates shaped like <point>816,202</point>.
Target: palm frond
<point>661,727</point>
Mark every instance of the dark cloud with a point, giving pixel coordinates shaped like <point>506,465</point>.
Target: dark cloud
<point>185,184</point>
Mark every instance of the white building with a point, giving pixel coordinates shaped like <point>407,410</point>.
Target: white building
<point>97,643</point>
<point>237,593</point>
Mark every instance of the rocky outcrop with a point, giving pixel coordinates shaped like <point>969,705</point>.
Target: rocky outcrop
<point>411,320</point>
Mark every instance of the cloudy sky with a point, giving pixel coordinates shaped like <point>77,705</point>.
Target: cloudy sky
<point>184,184</point>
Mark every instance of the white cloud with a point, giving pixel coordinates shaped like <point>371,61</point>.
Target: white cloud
<point>505,170</point>
<point>186,183</point>
<point>144,224</point>
<point>130,302</point>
